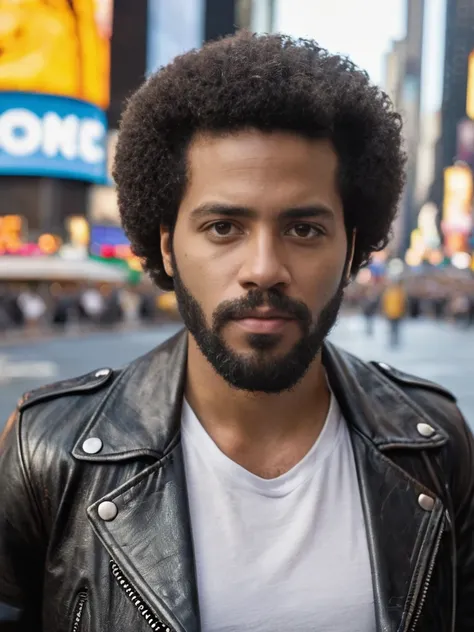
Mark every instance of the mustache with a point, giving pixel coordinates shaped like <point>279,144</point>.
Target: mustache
<point>237,308</point>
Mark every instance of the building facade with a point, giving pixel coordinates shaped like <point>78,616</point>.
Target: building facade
<point>459,42</point>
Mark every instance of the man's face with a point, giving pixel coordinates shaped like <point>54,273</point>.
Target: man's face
<point>259,254</point>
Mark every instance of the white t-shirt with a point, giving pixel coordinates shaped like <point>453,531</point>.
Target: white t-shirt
<point>289,553</point>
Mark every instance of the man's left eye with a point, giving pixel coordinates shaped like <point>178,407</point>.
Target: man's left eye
<point>305,231</point>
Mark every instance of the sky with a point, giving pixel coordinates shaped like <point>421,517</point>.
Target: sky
<point>364,30</point>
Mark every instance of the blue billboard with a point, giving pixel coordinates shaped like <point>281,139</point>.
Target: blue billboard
<point>59,137</point>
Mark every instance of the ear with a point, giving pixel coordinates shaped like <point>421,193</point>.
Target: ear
<point>350,258</point>
<point>166,249</point>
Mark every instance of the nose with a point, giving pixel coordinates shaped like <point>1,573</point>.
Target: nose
<point>265,263</point>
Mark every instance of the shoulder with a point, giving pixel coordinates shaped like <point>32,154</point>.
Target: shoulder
<point>397,392</point>
<point>438,402</point>
<point>40,433</point>
<point>56,413</point>
<point>411,382</point>
<point>87,384</point>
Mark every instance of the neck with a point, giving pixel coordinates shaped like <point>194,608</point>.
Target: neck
<point>239,421</point>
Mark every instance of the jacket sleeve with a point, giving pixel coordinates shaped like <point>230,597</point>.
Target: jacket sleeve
<point>21,549</point>
<point>463,498</point>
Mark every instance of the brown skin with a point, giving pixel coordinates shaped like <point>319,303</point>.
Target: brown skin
<point>221,256</point>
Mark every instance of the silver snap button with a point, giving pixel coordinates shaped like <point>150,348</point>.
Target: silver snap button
<point>382,365</point>
<point>102,373</point>
<point>92,445</point>
<point>426,502</point>
<point>425,430</point>
<point>107,510</point>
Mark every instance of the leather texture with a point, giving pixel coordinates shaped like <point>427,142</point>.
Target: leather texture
<point>64,568</point>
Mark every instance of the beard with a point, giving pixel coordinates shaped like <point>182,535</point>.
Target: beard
<point>260,370</point>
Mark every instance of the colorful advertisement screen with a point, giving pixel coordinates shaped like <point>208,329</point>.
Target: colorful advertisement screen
<point>57,47</point>
<point>109,242</point>
<point>457,208</point>
<point>52,136</point>
<point>54,87</point>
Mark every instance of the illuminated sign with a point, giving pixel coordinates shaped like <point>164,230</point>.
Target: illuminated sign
<point>457,208</point>
<point>110,242</point>
<point>60,48</point>
<point>12,231</point>
<point>44,135</point>
<point>470,87</point>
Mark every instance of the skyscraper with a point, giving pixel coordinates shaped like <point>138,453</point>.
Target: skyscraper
<point>403,83</point>
<point>459,43</point>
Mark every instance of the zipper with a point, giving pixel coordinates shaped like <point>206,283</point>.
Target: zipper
<point>78,611</point>
<point>429,573</point>
<point>143,609</point>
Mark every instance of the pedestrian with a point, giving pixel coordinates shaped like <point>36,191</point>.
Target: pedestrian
<point>33,308</point>
<point>460,309</point>
<point>92,304</point>
<point>370,304</point>
<point>394,305</point>
<point>246,475</point>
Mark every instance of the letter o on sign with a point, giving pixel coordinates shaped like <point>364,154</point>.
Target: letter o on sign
<point>20,132</point>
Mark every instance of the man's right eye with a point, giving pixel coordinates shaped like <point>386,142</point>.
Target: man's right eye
<point>222,229</point>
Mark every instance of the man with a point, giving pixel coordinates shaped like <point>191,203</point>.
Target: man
<point>247,475</point>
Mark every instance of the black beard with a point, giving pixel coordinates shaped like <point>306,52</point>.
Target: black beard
<point>261,371</point>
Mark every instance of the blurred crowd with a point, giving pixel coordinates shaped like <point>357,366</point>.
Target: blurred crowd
<point>36,306</point>
<point>441,297</point>
<point>32,306</point>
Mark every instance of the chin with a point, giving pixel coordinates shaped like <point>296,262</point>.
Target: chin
<point>263,345</point>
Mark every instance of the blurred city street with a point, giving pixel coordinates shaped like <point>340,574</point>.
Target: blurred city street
<point>437,351</point>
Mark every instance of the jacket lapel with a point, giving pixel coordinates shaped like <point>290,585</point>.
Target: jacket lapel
<point>402,536</point>
<point>149,539</point>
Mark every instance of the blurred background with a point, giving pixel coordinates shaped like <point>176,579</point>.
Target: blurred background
<point>73,297</point>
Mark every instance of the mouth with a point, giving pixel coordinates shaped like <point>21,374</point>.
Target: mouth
<point>264,321</point>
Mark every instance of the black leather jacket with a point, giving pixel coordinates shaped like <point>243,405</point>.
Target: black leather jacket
<point>66,566</point>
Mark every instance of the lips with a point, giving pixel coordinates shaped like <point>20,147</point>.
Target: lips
<point>264,321</point>
<point>264,314</point>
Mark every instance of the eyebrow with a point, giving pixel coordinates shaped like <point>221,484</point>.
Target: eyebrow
<point>231,211</point>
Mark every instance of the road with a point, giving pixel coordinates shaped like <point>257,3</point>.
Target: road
<point>439,352</point>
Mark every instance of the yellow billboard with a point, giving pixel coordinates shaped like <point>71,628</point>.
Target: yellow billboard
<point>457,208</point>
<point>58,47</point>
<point>470,87</point>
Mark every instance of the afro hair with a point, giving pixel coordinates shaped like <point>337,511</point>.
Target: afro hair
<point>266,82</point>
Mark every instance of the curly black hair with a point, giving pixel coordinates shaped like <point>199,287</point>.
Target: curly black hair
<point>266,82</point>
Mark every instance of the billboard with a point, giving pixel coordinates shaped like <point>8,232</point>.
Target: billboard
<point>470,87</point>
<point>52,136</point>
<point>109,242</point>
<point>54,87</point>
<point>457,208</point>
<point>60,48</point>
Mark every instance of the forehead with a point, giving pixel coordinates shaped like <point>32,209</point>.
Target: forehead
<point>267,170</point>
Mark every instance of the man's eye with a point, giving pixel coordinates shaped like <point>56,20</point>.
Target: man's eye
<point>222,229</point>
<point>304,231</point>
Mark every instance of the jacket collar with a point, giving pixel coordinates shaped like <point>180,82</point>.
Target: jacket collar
<point>376,406</point>
<point>140,413</point>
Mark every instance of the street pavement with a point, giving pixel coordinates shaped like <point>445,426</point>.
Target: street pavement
<point>440,352</point>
